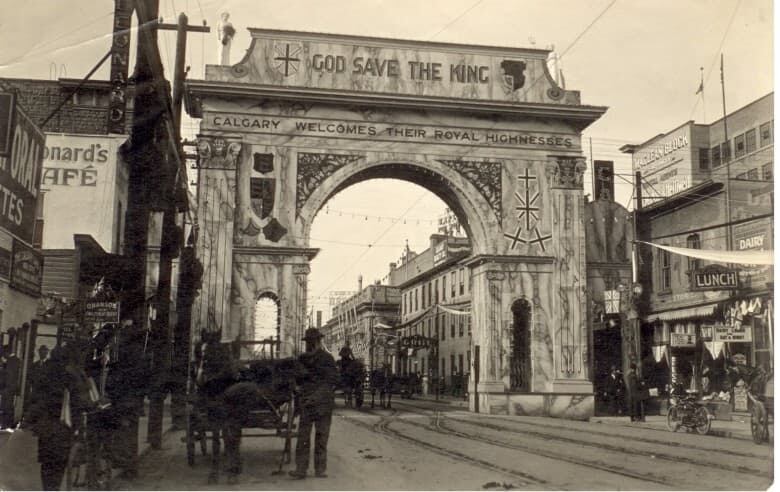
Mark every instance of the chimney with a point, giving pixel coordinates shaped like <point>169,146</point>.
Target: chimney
<point>360,283</point>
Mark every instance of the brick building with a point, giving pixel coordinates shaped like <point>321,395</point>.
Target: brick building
<point>690,330</point>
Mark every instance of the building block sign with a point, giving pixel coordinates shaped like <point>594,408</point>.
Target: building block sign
<point>683,340</point>
<point>26,269</point>
<point>715,277</point>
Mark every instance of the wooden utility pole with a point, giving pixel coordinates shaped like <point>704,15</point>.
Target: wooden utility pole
<point>176,343</point>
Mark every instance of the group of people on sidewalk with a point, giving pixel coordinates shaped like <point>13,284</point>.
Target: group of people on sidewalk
<point>627,395</point>
<point>78,379</point>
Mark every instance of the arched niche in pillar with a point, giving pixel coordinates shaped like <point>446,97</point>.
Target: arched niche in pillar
<point>520,355</point>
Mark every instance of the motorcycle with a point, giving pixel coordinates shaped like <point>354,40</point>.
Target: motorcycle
<point>685,411</point>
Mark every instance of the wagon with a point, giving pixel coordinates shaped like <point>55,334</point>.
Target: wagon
<point>273,417</point>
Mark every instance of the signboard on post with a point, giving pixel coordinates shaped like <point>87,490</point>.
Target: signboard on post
<point>728,333</point>
<point>7,111</point>
<point>603,180</point>
<point>20,178</point>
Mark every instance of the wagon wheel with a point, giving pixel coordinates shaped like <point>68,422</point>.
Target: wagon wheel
<point>759,422</point>
<point>703,421</point>
<point>290,425</point>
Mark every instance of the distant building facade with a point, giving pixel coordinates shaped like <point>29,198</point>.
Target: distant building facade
<point>435,289</point>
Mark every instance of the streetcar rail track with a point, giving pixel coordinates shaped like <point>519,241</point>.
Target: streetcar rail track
<point>677,445</point>
<point>382,427</point>
<point>438,426</point>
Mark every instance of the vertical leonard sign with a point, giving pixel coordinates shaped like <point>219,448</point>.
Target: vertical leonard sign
<point>120,55</point>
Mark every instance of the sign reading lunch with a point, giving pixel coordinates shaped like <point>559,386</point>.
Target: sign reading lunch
<point>353,63</point>
<point>285,126</point>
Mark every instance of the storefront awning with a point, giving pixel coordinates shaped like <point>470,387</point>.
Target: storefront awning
<point>677,314</point>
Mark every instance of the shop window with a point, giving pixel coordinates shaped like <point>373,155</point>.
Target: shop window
<point>452,283</point>
<point>453,367</point>
<point>693,242</point>
<point>753,174</point>
<point>665,262</point>
<point>725,152</point>
<point>715,153</point>
<point>739,146</point>
<point>766,171</point>
<point>704,159</point>
<point>460,364</point>
<point>766,133</point>
<point>750,141</point>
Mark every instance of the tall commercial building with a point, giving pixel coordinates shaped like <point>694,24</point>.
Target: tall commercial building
<point>705,189</point>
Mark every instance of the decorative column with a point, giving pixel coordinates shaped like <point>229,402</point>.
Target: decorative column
<point>570,341</point>
<point>218,158</point>
<point>298,308</point>
<point>487,318</point>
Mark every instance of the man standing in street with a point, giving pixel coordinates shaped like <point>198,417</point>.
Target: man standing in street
<point>319,380</point>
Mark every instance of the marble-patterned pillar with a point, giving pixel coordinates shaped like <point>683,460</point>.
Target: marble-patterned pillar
<point>218,158</point>
<point>301,276</point>
<point>487,281</point>
<point>570,341</point>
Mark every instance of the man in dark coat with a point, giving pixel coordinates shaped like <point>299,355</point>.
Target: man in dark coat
<point>318,383</point>
<point>635,395</point>
<point>615,389</point>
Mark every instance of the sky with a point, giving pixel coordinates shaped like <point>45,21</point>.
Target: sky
<point>639,58</point>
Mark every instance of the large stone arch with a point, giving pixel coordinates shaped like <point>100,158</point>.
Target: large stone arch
<point>486,129</point>
<point>461,195</point>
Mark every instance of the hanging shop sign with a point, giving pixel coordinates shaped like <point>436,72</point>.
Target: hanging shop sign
<point>604,180</point>
<point>417,342</point>
<point>683,340</point>
<point>715,277</point>
<point>26,269</point>
<point>101,312</point>
<point>732,333</point>
<point>7,110</point>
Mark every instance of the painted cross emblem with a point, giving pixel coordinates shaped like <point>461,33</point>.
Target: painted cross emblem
<point>286,60</point>
<point>528,212</point>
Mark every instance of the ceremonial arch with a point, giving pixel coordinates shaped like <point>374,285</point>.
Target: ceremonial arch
<point>303,116</point>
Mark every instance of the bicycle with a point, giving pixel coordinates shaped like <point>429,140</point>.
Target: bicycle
<point>88,462</point>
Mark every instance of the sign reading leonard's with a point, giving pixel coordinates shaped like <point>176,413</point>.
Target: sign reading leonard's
<point>714,277</point>
<point>20,177</point>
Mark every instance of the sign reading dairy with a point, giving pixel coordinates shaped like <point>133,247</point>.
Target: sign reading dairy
<point>20,175</point>
<point>86,190</point>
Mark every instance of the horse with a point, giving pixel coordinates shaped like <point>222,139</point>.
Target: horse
<point>381,382</point>
<point>353,373</point>
<point>231,394</point>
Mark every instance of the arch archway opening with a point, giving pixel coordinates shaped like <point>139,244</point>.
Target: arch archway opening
<point>266,329</point>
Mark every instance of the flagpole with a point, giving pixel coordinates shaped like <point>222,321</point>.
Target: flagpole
<point>703,99</point>
<point>729,239</point>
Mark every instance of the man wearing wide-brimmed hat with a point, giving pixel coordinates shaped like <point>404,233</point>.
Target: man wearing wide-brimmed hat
<point>317,386</point>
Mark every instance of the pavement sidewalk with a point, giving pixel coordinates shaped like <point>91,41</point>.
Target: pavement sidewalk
<point>736,428</point>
